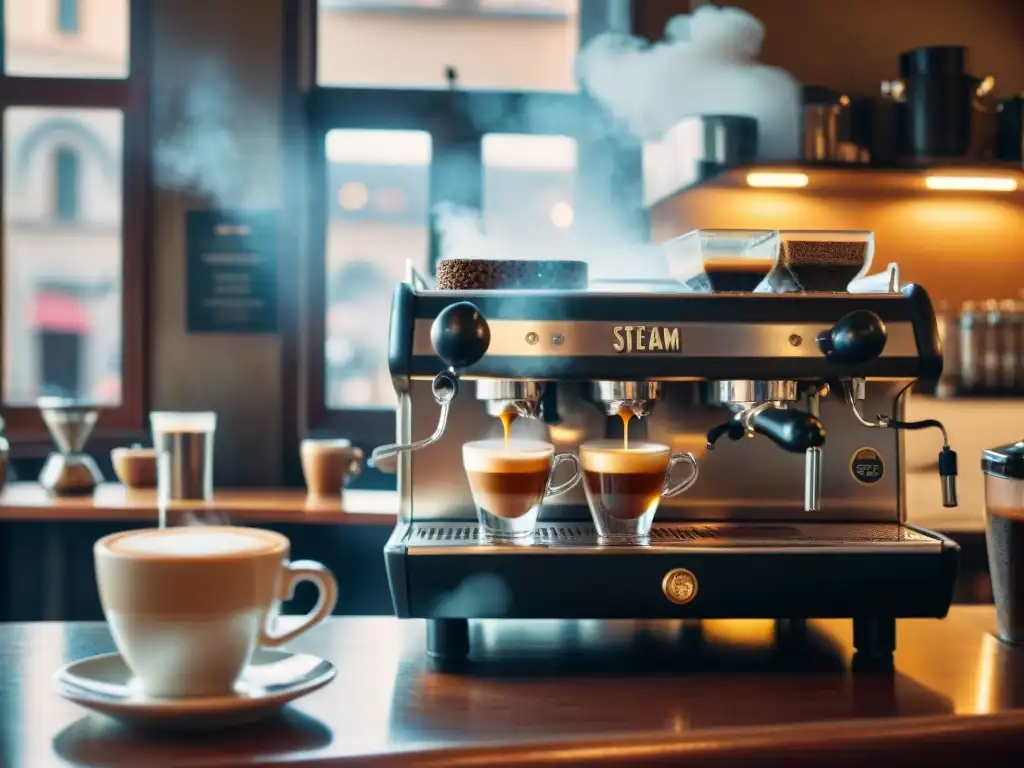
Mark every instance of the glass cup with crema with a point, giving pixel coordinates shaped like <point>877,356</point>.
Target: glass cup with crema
<point>624,486</point>
<point>509,481</point>
<point>188,606</point>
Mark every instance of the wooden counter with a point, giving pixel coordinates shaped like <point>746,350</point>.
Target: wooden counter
<point>554,693</point>
<point>111,501</point>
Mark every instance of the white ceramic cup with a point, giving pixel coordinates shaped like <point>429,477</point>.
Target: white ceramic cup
<point>187,606</point>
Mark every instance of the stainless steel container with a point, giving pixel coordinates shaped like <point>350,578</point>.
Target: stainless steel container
<point>1010,344</point>
<point>992,367</point>
<point>835,128</point>
<point>184,454</point>
<point>949,335</point>
<point>715,142</point>
<point>972,345</point>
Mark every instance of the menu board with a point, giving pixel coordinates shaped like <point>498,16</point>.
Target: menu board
<point>232,272</point>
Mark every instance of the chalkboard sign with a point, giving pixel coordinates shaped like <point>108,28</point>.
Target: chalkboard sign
<point>232,272</point>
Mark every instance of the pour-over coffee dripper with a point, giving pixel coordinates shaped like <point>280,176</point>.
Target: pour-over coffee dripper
<point>68,471</point>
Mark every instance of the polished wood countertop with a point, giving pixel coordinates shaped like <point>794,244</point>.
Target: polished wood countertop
<point>112,501</point>
<point>561,693</point>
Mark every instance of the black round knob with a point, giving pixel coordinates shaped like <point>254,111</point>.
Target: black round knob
<point>858,337</point>
<point>460,335</point>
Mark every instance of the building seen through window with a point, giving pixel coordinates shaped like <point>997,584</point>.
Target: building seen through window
<point>67,16</point>
<point>382,195</point>
<point>66,183</point>
<point>62,206</point>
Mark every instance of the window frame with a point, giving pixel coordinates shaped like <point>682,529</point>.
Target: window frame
<point>25,429</point>
<point>312,110</point>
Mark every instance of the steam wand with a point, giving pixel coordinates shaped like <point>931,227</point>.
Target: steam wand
<point>460,336</point>
<point>947,456</point>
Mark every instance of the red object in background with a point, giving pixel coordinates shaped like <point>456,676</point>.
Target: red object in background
<point>59,313</point>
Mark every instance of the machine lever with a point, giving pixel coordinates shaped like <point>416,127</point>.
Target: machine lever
<point>857,337</point>
<point>733,428</point>
<point>795,431</point>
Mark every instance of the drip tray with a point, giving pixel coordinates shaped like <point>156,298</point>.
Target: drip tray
<point>422,537</point>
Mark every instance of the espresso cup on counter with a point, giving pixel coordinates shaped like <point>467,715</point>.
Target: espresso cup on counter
<point>188,606</point>
<point>510,480</point>
<point>329,464</point>
<point>625,485</point>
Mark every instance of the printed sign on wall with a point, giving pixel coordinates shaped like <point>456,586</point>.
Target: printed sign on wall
<point>232,272</point>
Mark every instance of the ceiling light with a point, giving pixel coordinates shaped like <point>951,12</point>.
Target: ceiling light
<point>784,180</point>
<point>562,215</point>
<point>971,183</point>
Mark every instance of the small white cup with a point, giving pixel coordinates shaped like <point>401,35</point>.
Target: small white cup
<point>188,606</point>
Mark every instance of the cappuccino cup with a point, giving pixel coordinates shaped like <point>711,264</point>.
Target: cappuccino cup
<point>510,480</point>
<point>188,606</point>
<point>624,486</point>
<point>328,465</point>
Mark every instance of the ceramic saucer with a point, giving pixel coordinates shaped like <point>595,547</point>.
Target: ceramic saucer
<point>272,679</point>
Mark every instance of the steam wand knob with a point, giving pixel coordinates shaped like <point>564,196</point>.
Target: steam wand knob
<point>856,338</point>
<point>460,335</point>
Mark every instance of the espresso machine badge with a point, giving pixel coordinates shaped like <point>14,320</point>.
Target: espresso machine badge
<point>645,338</point>
<point>867,466</point>
<point>679,586</point>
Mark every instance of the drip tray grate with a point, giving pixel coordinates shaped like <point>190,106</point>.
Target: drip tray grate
<point>702,535</point>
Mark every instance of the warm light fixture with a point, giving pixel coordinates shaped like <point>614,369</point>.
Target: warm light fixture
<point>971,183</point>
<point>353,196</point>
<point>787,180</point>
<point>562,215</point>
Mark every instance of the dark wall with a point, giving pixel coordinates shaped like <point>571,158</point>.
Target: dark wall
<point>46,568</point>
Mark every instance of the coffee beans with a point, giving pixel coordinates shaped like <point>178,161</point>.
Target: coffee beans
<point>499,274</point>
<point>823,265</point>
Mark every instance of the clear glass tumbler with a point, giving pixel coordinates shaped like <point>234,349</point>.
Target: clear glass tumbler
<point>624,486</point>
<point>509,482</point>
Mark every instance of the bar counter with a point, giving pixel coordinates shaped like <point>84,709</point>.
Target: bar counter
<point>563,693</point>
<point>28,501</point>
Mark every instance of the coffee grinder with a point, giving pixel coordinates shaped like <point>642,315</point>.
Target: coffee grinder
<point>68,471</point>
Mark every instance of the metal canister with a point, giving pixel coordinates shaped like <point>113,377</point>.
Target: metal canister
<point>949,336</point>
<point>1011,343</point>
<point>992,348</point>
<point>972,338</point>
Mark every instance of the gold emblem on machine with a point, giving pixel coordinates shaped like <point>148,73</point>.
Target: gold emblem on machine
<point>679,586</point>
<point>645,338</point>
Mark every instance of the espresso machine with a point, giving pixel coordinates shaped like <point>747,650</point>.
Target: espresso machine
<point>790,392</point>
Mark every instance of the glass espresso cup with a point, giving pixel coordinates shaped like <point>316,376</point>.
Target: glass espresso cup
<point>509,482</point>
<point>625,485</point>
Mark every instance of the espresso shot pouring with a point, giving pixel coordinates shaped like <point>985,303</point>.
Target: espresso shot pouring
<point>771,365</point>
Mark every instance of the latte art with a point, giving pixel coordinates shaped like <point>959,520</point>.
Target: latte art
<point>192,542</point>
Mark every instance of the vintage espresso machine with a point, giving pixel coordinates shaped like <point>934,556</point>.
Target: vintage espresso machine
<point>788,386</point>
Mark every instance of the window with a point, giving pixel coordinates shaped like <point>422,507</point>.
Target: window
<point>378,220</point>
<point>66,184</point>
<point>67,16</point>
<point>430,125</point>
<point>526,45</point>
<point>74,196</point>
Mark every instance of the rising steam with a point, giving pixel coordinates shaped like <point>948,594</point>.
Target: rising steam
<point>200,153</point>
<point>706,65</point>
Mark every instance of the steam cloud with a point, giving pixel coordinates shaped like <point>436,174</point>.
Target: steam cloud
<point>200,153</point>
<point>643,88</point>
<point>646,89</point>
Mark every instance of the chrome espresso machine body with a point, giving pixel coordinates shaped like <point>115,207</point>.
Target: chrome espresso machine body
<point>787,525</point>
